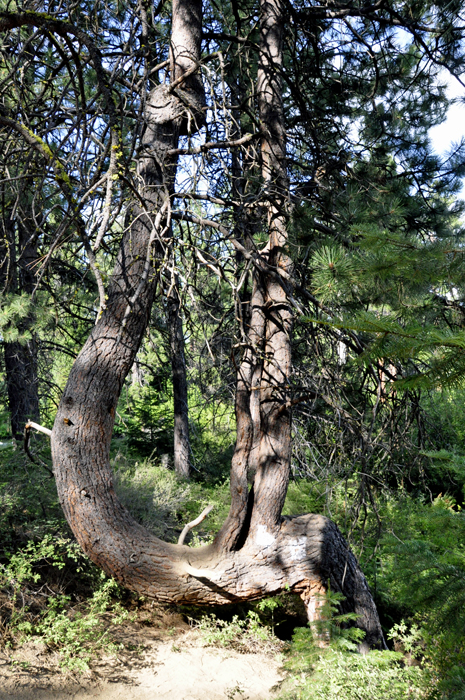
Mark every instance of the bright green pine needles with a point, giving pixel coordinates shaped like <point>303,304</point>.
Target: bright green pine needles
<point>20,317</point>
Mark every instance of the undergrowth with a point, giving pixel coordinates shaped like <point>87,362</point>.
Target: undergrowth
<point>37,608</point>
<point>247,635</point>
<point>164,503</point>
<point>338,675</point>
<point>415,562</point>
<point>323,663</point>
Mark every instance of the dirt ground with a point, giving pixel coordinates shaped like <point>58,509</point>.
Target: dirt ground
<point>166,662</point>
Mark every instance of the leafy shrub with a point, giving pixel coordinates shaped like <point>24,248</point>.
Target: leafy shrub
<point>337,672</point>
<point>75,630</point>
<point>247,635</point>
<point>339,675</point>
<point>423,570</point>
<point>29,505</point>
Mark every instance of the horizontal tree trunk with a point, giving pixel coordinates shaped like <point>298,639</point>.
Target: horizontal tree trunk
<point>306,554</point>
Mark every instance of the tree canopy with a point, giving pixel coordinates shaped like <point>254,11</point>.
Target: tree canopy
<point>238,205</point>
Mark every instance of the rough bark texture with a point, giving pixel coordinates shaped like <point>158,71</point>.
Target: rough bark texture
<point>274,458</point>
<point>263,447</point>
<point>22,384</point>
<point>257,553</point>
<point>84,422</point>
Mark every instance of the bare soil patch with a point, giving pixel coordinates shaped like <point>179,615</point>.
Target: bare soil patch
<point>162,658</point>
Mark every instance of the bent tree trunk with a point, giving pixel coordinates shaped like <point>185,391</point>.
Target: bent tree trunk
<point>257,553</point>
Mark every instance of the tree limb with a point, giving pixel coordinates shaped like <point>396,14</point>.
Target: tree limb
<point>194,523</point>
<point>27,437</point>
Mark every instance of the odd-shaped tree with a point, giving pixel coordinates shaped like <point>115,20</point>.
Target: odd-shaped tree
<point>257,552</point>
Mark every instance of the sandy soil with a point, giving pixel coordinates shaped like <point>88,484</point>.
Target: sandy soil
<point>165,664</point>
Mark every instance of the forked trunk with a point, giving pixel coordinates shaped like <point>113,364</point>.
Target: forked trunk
<point>257,553</point>
<point>263,448</point>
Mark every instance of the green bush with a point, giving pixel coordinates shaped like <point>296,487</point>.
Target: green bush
<point>164,503</point>
<point>75,629</point>
<point>29,505</point>
<point>154,496</point>
<point>247,635</point>
<point>323,662</point>
<point>77,632</point>
<point>338,675</point>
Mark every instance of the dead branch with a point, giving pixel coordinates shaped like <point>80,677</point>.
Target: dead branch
<point>27,437</point>
<point>193,523</point>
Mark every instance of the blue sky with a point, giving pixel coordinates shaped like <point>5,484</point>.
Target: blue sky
<point>450,131</point>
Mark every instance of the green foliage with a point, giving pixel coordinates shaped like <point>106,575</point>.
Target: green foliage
<point>345,676</point>
<point>410,640</point>
<point>154,495</point>
<point>332,628</point>
<point>303,497</point>
<point>324,665</point>
<point>54,551</point>
<point>376,237</point>
<point>76,631</point>
<point>147,420</point>
<point>423,572</point>
<point>424,561</point>
<point>145,416</point>
<point>29,506</point>
<point>444,411</point>
<point>213,436</point>
<point>164,503</point>
<point>333,271</point>
<point>247,635</point>
<point>15,309</point>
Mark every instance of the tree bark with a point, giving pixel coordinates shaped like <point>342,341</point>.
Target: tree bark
<point>18,254</point>
<point>257,553</point>
<point>178,367</point>
<point>263,447</point>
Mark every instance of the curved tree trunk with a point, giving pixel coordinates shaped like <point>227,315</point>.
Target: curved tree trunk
<point>257,553</point>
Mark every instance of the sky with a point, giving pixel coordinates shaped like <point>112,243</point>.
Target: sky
<point>450,132</point>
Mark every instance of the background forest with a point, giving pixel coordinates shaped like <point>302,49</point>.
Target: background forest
<point>376,235</point>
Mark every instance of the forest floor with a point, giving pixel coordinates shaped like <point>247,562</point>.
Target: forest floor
<point>161,657</point>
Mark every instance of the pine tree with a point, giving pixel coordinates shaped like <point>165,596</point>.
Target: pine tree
<point>328,130</point>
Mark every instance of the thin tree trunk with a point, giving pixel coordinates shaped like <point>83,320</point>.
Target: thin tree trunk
<point>180,399</point>
<point>18,253</point>
<point>22,384</point>
<point>263,447</point>
<point>274,458</point>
